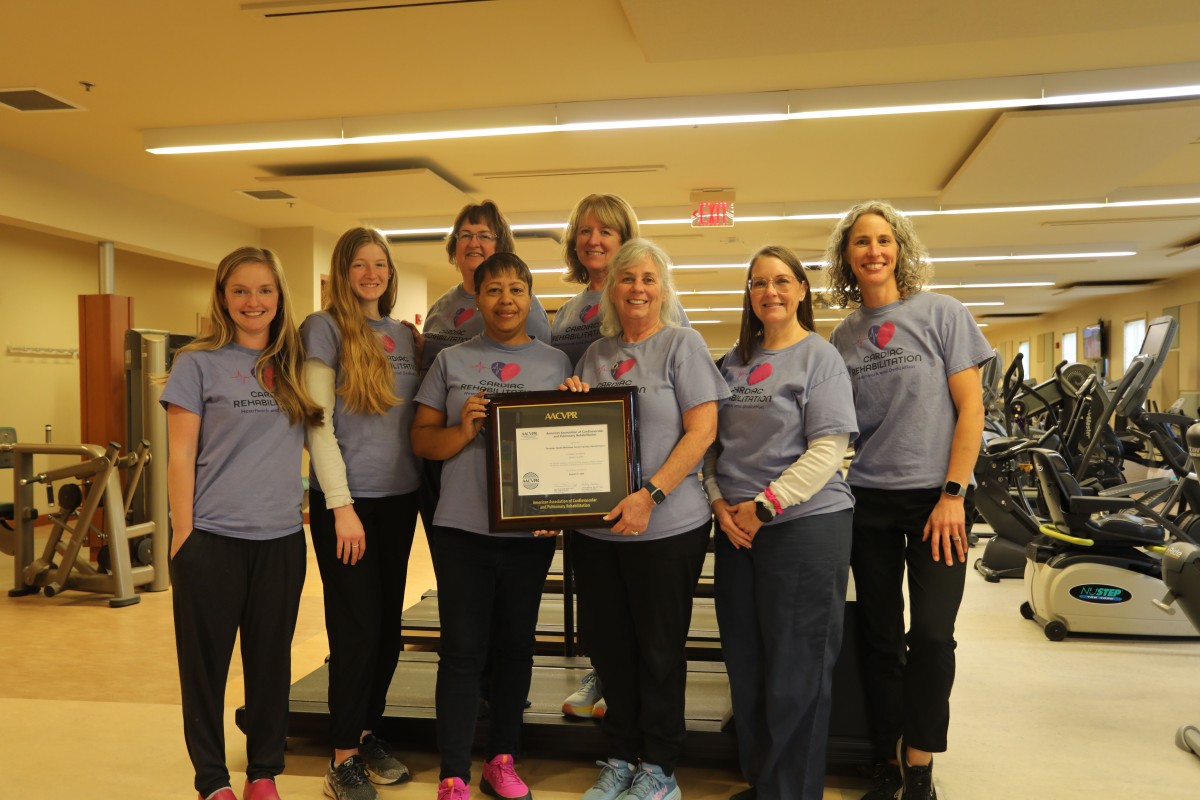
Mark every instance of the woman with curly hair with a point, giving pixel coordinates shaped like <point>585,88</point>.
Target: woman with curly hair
<point>236,412</point>
<point>362,368</point>
<point>914,359</point>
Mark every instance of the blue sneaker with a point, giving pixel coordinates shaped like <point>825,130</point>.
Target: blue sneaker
<point>614,780</point>
<point>582,702</point>
<point>651,784</point>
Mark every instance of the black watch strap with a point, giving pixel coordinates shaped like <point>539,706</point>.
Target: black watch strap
<point>764,512</point>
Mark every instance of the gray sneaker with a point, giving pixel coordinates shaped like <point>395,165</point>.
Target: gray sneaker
<point>614,780</point>
<point>651,784</point>
<point>382,767</point>
<point>348,781</point>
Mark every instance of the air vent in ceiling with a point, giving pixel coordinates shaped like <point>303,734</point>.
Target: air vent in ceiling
<point>268,194</point>
<point>34,100</point>
<point>294,8</point>
<point>570,171</point>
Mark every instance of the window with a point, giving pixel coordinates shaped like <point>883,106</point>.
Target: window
<point>1135,332</point>
<point>1069,347</point>
<point>1026,364</point>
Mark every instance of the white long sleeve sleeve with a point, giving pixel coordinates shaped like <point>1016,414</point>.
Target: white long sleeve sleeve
<point>810,472</point>
<point>323,449</point>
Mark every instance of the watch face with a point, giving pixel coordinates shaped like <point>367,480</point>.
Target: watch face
<point>955,489</point>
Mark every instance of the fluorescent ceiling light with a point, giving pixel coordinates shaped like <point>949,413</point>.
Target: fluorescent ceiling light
<point>970,304</point>
<point>703,321</point>
<point>670,112</point>
<point>1014,285</point>
<point>1031,257</point>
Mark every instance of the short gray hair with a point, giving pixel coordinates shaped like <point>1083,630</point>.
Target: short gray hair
<point>631,253</point>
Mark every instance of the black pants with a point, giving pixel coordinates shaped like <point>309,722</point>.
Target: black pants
<point>222,586</point>
<point>907,679</point>
<point>635,610</point>
<point>364,603</point>
<point>780,605</point>
<point>489,592</point>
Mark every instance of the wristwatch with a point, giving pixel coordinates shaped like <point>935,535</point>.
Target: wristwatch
<point>656,494</point>
<point>763,511</point>
<point>954,488</point>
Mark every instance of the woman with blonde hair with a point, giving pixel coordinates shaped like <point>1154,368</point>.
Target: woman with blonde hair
<point>363,369</point>
<point>236,412</point>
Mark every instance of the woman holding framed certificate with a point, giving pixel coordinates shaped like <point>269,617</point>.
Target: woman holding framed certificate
<point>784,516</point>
<point>636,579</point>
<point>489,583</point>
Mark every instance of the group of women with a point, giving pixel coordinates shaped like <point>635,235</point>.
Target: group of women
<point>767,427</point>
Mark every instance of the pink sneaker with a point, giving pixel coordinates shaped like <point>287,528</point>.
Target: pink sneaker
<point>261,789</point>
<point>220,794</point>
<point>501,780</point>
<point>453,789</point>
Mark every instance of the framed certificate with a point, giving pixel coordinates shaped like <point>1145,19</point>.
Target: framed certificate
<point>560,459</point>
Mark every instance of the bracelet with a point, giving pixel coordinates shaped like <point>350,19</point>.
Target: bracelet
<point>773,499</point>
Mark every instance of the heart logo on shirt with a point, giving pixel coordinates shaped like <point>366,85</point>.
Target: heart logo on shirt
<point>462,315</point>
<point>268,377</point>
<point>389,343</point>
<point>505,372</point>
<point>880,335</point>
<point>759,373</point>
<point>621,367</point>
<point>589,312</point>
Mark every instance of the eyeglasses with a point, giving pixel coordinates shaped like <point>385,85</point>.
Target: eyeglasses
<point>783,284</point>
<point>484,238</point>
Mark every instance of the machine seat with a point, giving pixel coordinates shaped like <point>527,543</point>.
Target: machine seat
<point>1124,527</point>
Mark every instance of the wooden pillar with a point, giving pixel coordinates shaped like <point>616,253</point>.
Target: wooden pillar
<point>103,320</point>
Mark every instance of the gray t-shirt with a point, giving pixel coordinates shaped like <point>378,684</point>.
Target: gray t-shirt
<point>376,448</point>
<point>248,457</point>
<point>577,323</point>
<point>481,364</point>
<point>673,373</point>
<point>453,318</point>
<point>899,357</point>
<point>781,400</point>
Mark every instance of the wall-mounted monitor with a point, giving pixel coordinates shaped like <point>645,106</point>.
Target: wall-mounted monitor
<point>1094,344</point>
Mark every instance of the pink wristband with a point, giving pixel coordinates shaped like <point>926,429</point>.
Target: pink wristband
<point>774,500</point>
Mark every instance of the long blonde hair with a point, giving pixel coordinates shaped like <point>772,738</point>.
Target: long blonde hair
<point>366,382</point>
<point>284,353</point>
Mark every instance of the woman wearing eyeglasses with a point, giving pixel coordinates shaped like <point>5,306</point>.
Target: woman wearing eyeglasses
<point>784,517</point>
<point>479,231</point>
<point>914,359</point>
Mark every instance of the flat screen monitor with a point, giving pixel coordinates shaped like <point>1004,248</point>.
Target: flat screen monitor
<point>1093,342</point>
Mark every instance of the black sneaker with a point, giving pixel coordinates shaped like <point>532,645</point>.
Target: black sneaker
<point>348,781</point>
<point>885,783</point>
<point>382,767</point>
<point>917,782</point>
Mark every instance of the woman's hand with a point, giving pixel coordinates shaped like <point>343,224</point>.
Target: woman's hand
<point>745,517</point>
<point>474,412</point>
<point>418,340</point>
<point>351,538</point>
<point>632,514</point>
<point>738,537</point>
<point>546,533</point>
<point>946,530</point>
<point>573,384</point>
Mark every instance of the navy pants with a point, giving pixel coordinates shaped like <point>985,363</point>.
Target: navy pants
<point>907,678</point>
<point>780,606</point>
<point>635,610</point>
<point>222,586</point>
<point>364,603</point>
<point>489,592</point>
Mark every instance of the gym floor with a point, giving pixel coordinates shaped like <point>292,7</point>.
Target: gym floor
<point>89,707</point>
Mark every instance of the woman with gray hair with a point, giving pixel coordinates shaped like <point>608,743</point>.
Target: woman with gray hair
<point>914,359</point>
<point>636,579</point>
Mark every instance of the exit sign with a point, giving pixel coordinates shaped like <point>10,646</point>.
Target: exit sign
<point>713,214</point>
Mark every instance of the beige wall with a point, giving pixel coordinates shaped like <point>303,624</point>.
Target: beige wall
<point>1181,372</point>
<point>41,277</point>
